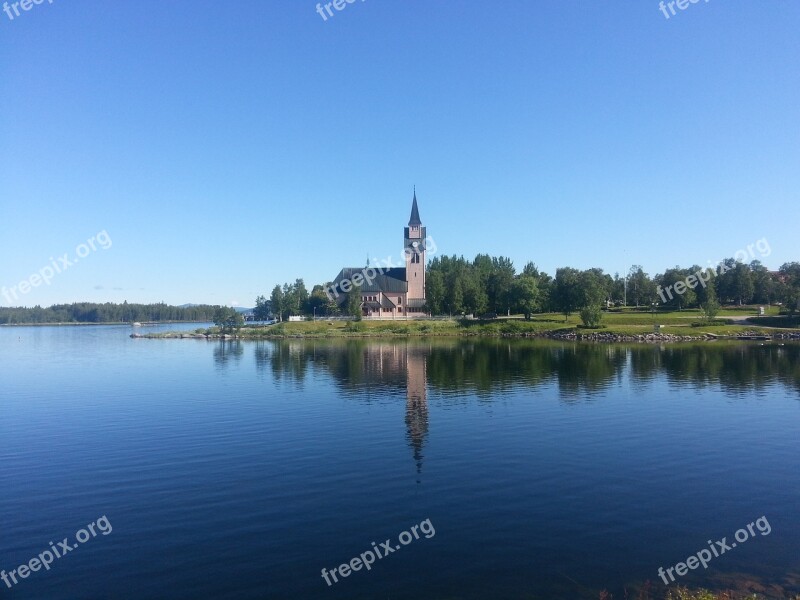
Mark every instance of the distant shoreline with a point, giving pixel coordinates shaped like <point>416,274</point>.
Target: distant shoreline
<point>85,324</point>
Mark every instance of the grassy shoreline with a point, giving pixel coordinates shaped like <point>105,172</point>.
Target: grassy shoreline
<point>623,326</point>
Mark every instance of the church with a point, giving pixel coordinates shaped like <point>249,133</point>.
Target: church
<point>389,292</point>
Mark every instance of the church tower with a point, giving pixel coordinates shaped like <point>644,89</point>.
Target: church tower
<point>415,258</point>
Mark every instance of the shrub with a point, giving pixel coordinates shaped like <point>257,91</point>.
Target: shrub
<point>512,327</point>
<point>591,316</point>
<point>356,326</point>
<point>710,310</point>
<point>714,323</point>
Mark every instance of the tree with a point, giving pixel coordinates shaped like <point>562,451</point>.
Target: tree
<point>531,270</point>
<point>725,281</point>
<point>710,309</point>
<point>499,284</point>
<point>673,289</point>
<point>227,319</point>
<point>456,298</point>
<point>593,290</point>
<point>262,310</point>
<point>353,303</point>
<point>277,302</point>
<point>475,299</point>
<point>525,295</point>
<point>790,274</point>
<point>764,285</point>
<point>434,291</point>
<point>618,294</point>
<point>318,301</point>
<point>710,304</point>
<point>566,292</point>
<point>300,297</point>
<point>742,283</point>
<point>594,287</point>
<point>640,287</point>
<point>706,289</point>
<point>546,286</point>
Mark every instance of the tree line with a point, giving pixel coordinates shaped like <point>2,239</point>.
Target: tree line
<point>294,299</point>
<point>109,312</point>
<point>456,285</point>
<point>490,285</point>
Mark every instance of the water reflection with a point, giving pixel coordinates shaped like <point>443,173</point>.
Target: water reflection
<point>423,399</point>
<point>416,402</point>
<point>383,371</point>
<point>226,351</point>
<point>370,369</point>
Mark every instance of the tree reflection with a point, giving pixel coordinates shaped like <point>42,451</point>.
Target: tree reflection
<point>388,370</point>
<point>226,351</point>
<point>487,367</point>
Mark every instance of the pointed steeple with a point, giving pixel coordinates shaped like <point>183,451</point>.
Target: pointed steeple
<point>414,220</point>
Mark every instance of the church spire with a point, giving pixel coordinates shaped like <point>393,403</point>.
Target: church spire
<point>414,220</point>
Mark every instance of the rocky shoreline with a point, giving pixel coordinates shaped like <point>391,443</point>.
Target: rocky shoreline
<point>658,338</point>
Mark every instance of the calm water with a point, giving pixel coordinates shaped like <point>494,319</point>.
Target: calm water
<point>240,470</point>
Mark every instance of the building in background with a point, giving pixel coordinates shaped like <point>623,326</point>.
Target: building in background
<point>389,292</point>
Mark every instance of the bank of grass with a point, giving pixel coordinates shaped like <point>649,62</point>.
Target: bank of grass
<point>628,322</point>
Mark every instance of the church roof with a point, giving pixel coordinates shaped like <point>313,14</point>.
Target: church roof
<point>414,220</point>
<point>388,281</point>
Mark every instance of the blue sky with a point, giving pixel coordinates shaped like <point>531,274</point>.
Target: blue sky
<point>226,147</point>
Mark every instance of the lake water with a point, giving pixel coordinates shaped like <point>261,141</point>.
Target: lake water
<point>242,469</point>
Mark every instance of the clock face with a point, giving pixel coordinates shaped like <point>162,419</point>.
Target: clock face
<point>415,244</point>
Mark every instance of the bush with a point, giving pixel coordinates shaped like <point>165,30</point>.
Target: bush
<point>512,327</point>
<point>591,316</point>
<point>714,323</point>
<point>356,326</point>
<point>710,310</point>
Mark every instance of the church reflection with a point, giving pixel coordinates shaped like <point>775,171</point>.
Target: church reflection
<point>368,372</point>
<point>391,366</point>
<point>416,402</point>
<point>381,371</point>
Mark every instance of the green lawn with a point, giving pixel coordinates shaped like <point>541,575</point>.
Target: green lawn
<point>617,322</point>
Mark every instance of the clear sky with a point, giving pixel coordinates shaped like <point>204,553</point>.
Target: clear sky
<point>224,147</point>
